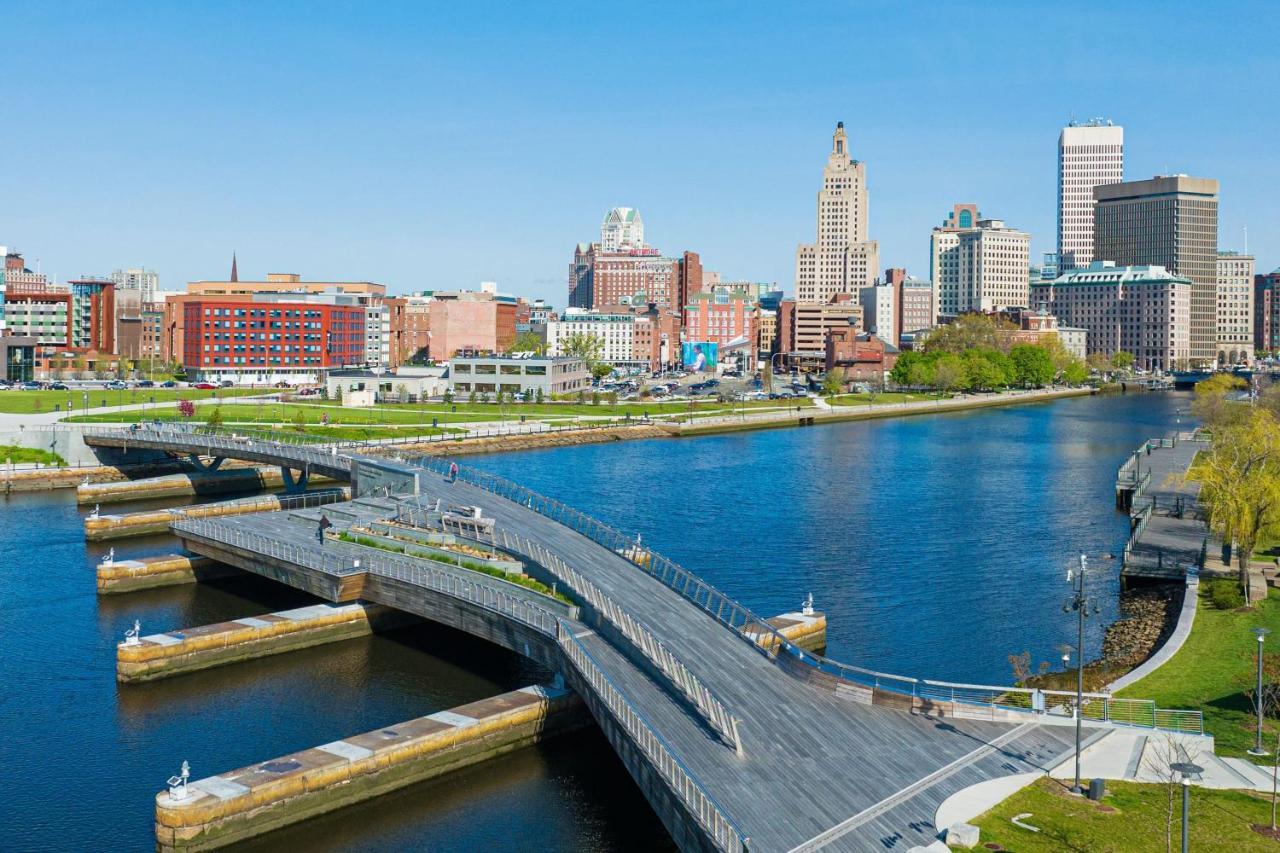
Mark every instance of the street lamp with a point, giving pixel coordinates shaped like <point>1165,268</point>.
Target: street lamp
<point>1187,769</point>
<point>1079,602</point>
<point>1261,634</point>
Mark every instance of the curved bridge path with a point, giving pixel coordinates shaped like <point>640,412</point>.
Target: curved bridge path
<point>819,762</point>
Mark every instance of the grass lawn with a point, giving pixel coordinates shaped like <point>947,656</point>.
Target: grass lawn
<point>360,433</point>
<point>27,402</point>
<point>883,399</point>
<point>19,455</point>
<point>1212,669</point>
<point>490,411</point>
<point>271,412</point>
<point>1131,818</point>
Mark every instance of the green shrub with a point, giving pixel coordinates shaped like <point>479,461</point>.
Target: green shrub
<point>1225,594</point>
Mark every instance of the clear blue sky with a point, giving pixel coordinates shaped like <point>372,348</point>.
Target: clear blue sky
<point>478,141</point>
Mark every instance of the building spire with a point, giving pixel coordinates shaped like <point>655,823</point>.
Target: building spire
<point>234,275</point>
<point>839,141</point>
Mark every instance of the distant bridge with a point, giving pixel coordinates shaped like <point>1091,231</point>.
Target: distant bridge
<point>738,744</point>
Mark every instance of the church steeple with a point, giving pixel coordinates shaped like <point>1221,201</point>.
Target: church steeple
<point>234,275</point>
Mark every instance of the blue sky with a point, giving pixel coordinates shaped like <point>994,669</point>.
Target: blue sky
<point>438,146</point>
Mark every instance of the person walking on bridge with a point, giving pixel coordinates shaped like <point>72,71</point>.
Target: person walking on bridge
<point>453,472</point>
<point>324,525</point>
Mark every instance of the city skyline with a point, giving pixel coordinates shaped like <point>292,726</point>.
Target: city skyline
<point>420,168</point>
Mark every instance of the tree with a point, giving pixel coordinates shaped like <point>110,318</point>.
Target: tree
<point>611,398</point>
<point>595,398</point>
<point>402,392</point>
<point>985,369</point>
<point>1240,482</point>
<point>949,373</point>
<point>471,398</point>
<point>901,373</point>
<point>601,369</point>
<point>299,421</point>
<point>529,342</point>
<point>448,397</point>
<point>215,417</point>
<point>1122,360</point>
<point>1032,365</point>
<point>186,409</point>
<point>1213,404</point>
<point>583,345</point>
<point>833,382</point>
<point>1058,354</point>
<point>1099,362</point>
<point>538,396</point>
<point>968,331</point>
<point>921,374</point>
<point>1075,373</point>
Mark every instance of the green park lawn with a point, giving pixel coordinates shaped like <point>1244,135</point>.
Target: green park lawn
<point>882,399</point>
<point>491,411</point>
<point>272,412</point>
<point>29,402</point>
<point>1213,669</point>
<point>1131,818</point>
<point>19,455</point>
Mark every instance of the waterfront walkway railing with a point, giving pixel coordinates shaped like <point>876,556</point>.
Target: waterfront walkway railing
<point>637,635</point>
<point>715,821</point>
<point>738,617</point>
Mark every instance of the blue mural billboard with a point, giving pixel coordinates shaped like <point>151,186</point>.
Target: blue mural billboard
<point>699,356</point>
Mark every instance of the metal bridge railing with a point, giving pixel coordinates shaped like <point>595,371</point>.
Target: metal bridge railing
<point>637,634</point>
<point>737,616</point>
<point>715,821</point>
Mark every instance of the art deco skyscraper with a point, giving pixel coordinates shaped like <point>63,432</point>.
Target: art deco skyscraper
<point>843,260</point>
<point>1089,154</point>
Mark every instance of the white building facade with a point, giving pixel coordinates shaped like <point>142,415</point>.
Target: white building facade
<point>1089,154</point>
<point>1143,310</point>
<point>1234,328</point>
<point>978,264</point>
<point>144,280</point>
<point>621,227</point>
<point>616,332</point>
<point>880,311</point>
<point>843,260</point>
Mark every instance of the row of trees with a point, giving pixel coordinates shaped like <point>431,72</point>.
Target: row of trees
<point>1240,475</point>
<point>983,368</point>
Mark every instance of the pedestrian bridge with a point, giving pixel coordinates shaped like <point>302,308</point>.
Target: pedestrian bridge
<point>739,739</point>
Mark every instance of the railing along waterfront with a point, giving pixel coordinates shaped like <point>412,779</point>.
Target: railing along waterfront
<point>455,584</point>
<point>637,634</point>
<point>713,818</point>
<point>738,617</point>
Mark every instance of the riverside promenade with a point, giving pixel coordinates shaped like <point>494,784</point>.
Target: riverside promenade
<point>1170,536</point>
<point>736,746</point>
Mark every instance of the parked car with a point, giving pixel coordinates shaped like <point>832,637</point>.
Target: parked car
<point>168,383</point>
<point>116,385</point>
<point>227,383</point>
<point>308,392</point>
<point>146,383</point>
<point>30,386</point>
<point>205,386</point>
<point>58,386</point>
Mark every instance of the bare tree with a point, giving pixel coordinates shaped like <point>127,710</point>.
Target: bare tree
<point>1159,759</point>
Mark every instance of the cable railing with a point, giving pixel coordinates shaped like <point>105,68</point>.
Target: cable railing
<point>637,634</point>
<point>710,815</point>
<point>736,616</point>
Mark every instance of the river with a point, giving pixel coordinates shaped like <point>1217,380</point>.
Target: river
<point>937,546</point>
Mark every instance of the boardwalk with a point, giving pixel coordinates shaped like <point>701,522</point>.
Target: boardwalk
<point>1169,533</point>
<point>816,768</point>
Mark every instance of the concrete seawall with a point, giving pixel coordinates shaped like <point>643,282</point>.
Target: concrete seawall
<point>48,479</point>
<point>221,810</point>
<point>192,649</point>
<point>229,478</point>
<point>118,576</point>
<point>98,528</point>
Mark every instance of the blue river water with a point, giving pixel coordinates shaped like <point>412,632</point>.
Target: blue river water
<point>937,545</point>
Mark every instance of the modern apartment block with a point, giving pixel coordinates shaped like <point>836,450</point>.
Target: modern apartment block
<point>1266,312</point>
<point>1168,221</point>
<point>978,264</point>
<point>1144,310</point>
<point>616,333</point>
<point>880,311</point>
<point>1089,155</point>
<point>843,260</point>
<point>271,337</point>
<point>1233,328</point>
<point>722,316</point>
<point>145,281</point>
<point>93,314</point>
<point>46,317</point>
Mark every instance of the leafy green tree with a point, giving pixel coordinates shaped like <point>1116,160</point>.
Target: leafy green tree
<point>1214,404</point>
<point>921,374</point>
<point>1032,365</point>
<point>983,370</point>
<point>949,373</point>
<point>471,398</point>
<point>595,398</point>
<point>1240,482</point>
<point>448,398</point>
<point>1099,361</point>
<point>538,396</point>
<point>1075,372</point>
<point>1122,360</point>
<point>968,331</point>
<point>299,421</point>
<point>901,373</point>
<point>611,398</point>
<point>833,382</point>
<point>215,417</point>
<point>529,342</point>
<point>601,369</point>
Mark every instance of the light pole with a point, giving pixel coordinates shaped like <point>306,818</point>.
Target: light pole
<point>1080,604</point>
<point>1186,803</point>
<point>1261,634</point>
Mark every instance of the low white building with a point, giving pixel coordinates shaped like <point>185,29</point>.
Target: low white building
<point>616,332</point>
